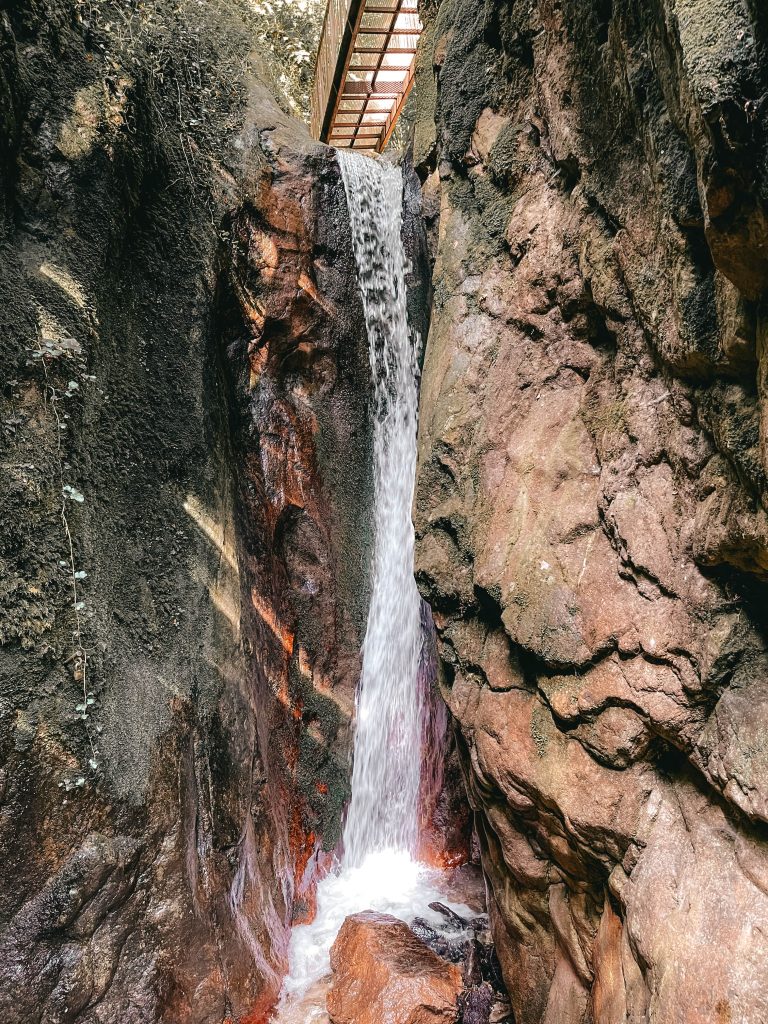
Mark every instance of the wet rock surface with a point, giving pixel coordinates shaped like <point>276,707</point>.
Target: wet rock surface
<point>591,492</point>
<point>483,998</point>
<point>384,970</point>
<point>384,974</point>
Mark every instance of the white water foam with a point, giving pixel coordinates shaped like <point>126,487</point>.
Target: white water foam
<point>379,870</point>
<point>390,882</point>
<point>383,812</point>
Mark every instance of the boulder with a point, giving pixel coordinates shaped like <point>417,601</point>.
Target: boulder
<point>384,974</point>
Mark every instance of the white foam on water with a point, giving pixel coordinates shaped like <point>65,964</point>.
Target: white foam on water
<point>379,870</point>
<point>390,882</point>
<point>383,811</point>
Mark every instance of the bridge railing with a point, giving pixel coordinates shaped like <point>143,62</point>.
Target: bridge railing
<point>340,18</point>
<point>364,71</point>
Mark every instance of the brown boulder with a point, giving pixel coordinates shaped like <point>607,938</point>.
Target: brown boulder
<point>384,974</point>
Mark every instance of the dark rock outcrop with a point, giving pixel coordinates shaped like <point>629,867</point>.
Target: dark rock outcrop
<point>185,475</point>
<point>591,501</point>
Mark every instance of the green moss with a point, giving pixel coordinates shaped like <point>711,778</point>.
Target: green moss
<point>488,210</point>
<point>504,163</point>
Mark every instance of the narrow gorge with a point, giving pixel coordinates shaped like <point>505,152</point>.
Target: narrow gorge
<point>384,535</point>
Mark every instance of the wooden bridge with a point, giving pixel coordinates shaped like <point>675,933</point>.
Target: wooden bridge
<point>364,71</point>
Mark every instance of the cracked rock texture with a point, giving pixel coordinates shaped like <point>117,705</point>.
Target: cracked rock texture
<point>185,472</point>
<point>591,506</point>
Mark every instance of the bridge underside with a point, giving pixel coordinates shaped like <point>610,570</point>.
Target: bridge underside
<point>364,71</point>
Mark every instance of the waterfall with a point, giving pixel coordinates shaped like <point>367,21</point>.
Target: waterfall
<point>379,870</point>
<point>383,812</point>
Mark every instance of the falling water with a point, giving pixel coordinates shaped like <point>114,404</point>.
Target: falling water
<point>379,870</point>
<point>383,813</point>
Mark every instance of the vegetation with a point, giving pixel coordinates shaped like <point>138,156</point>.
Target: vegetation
<point>288,33</point>
<point>283,36</point>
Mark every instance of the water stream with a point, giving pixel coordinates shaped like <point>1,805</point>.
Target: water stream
<point>383,812</point>
<point>379,869</point>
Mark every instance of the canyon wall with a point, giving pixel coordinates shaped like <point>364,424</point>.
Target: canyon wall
<point>183,570</point>
<point>591,508</point>
<point>184,536</point>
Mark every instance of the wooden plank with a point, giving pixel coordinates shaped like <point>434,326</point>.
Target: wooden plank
<point>378,50</point>
<point>328,54</point>
<point>344,37</point>
<point>357,132</point>
<point>365,90</point>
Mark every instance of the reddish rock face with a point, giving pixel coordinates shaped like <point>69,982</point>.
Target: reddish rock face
<point>383,974</point>
<point>591,500</point>
<point>296,361</point>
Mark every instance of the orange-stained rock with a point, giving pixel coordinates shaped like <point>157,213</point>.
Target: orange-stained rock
<point>383,974</point>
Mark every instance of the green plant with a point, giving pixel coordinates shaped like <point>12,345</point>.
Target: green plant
<point>51,351</point>
<point>288,33</point>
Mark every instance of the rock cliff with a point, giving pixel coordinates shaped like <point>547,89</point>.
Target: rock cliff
<point>186,474</point>
<point>591,502</point>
